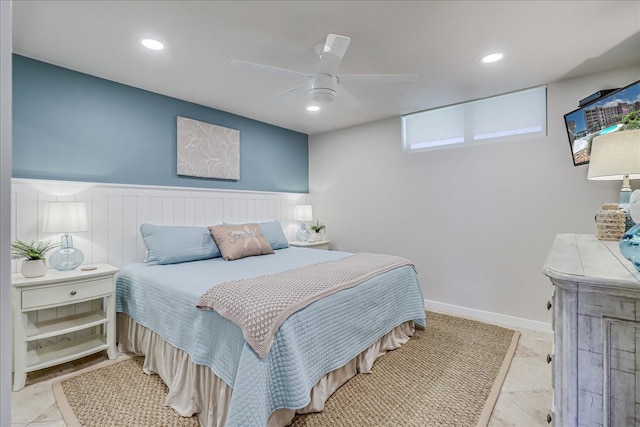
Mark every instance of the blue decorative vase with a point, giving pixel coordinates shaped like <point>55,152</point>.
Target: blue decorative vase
<point>630,245</point>
<point>67,257</point>
<point>303,234</point>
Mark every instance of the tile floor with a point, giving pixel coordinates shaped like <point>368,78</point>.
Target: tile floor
<point>525,398</point>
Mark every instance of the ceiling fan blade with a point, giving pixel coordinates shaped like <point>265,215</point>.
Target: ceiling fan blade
<point>332,53</point>
<point>268,68</point>
<point>377,78</point>
<point>289,91</point>
<point>344,95</point>
<point>335,46</point>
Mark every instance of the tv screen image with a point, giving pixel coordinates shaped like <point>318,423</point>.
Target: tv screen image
<point>614,112</point>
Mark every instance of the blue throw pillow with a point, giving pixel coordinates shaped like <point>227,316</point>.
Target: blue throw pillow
<point>272,231</point>
<point>174,244</point>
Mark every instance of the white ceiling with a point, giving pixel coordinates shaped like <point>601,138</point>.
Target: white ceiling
<point>440,41</point>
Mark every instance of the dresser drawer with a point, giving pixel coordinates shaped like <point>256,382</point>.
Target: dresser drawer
<point>56,295</point>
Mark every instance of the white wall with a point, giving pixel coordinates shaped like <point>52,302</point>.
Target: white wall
<point>5,208</point>
<point>476,221</point>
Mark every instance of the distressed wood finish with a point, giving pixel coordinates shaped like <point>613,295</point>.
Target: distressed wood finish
<point>596,318</point>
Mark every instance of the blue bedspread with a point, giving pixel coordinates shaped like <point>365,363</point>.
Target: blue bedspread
<point>312,342</point>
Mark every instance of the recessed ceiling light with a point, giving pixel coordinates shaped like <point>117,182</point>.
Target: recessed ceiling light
<point>492,58</point>
<point>313,108</point>
<point>152,44</point>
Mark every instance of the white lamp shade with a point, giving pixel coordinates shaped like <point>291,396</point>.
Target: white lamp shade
<point>615,155</point>
<point>65,217</point>
<point>303,213</point>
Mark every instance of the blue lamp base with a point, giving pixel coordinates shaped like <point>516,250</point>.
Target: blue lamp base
<point>303,234</point>
<point>67,257</point>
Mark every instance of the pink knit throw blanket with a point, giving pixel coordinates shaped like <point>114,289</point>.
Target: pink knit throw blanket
<point>261,304</point>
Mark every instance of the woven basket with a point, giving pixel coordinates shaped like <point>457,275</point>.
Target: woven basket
<point>610,222</point>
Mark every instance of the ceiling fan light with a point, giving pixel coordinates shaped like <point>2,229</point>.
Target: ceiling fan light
<point>322,95</point>
<point>313,107</point>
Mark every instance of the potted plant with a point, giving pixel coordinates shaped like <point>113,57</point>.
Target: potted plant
<point>34,264</point>
<point>317,230</point>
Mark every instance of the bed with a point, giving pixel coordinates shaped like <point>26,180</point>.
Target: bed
<point>207,363</point>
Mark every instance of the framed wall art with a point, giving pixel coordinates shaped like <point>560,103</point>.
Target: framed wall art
<point>207,151</point>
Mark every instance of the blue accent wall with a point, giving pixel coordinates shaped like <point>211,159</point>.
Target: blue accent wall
<point>76,127</point>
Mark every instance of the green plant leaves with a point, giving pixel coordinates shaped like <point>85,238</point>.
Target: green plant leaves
<point>33,250</point>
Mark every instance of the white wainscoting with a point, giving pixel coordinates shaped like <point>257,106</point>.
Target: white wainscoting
<point>116,211</point>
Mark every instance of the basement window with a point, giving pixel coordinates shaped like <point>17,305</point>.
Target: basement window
<point>512,116</point>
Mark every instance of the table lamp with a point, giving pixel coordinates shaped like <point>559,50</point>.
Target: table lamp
<point>65,217</point>
<point>616,156</point>
<point>303,213</point>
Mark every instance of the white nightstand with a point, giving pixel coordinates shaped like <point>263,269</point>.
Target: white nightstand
<point>322,244</point>
<point>62,290</point>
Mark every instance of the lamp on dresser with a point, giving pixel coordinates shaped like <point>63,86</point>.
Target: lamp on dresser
<point>65,217</point>
<point>303,213</point>
<point>616,156</point>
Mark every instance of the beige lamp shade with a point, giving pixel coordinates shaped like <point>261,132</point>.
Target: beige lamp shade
<point>65,217</point>
<point>303,213</point>
<point>615,155</point>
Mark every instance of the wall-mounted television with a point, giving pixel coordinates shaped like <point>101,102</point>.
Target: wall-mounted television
<point>611,113</point>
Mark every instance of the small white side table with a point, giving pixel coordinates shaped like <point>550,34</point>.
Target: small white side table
<point>61,289</point>
<point>322,244</point>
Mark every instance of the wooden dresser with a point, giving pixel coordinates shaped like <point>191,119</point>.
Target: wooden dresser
<point>596,322</point>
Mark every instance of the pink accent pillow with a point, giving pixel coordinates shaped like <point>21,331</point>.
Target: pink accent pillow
<point>240,241</point>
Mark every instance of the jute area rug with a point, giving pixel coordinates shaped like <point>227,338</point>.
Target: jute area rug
<point>449,374</point>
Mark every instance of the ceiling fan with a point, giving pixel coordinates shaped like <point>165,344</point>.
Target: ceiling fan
<point>325,85</point>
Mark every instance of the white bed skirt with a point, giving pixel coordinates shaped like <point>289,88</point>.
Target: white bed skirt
<point>195,389</point>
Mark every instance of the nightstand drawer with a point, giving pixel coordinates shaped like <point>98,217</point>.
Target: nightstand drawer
<point>78,291</point>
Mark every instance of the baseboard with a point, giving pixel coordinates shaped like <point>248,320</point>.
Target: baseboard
<point>487,316</point>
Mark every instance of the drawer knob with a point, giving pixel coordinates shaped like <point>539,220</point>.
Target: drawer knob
<point>549,419</point>
<point>548,305</point>
<point>549,358</point>
<point>73,292</point>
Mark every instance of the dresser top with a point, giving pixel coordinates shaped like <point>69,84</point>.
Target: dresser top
<point>584,259</point>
